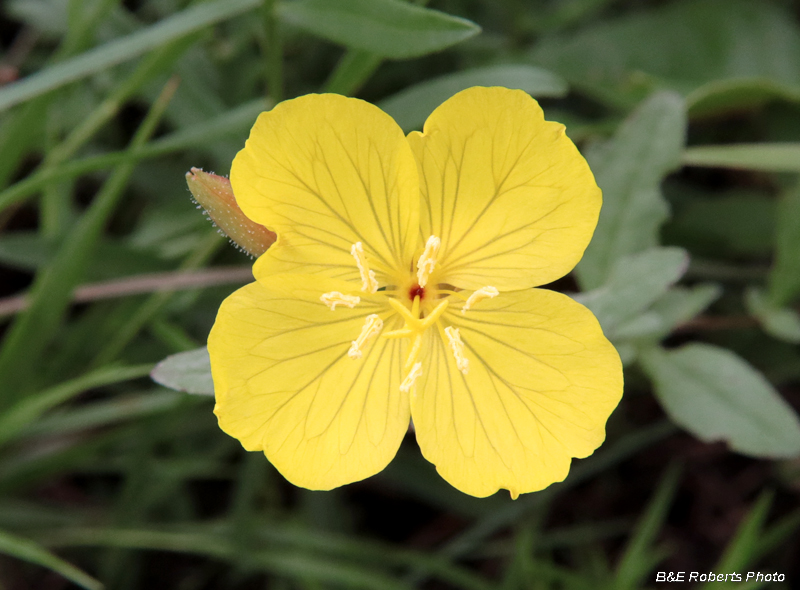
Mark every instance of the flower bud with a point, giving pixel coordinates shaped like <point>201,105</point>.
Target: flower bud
<point>214,194</point>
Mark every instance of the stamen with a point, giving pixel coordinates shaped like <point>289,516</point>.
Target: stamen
<point>335,298</point>
<point>372,326</point>
<point>427,261</point>
<point>479,295</point>
<point>457,346</point>
<point>369,284</point>
<point>411,378</point>
<point>414,352</point>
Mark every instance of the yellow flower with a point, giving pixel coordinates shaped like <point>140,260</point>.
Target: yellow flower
<point>400,288</point>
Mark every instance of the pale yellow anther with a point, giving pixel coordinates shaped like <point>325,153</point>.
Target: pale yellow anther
<point>372,327</point>
<point>335,298</point>
<point>413,355</point>
<point>479,295</point>
<point>457,346</point>
<point>411,378</point>
<point>427,261</point>
<point>369,284</point>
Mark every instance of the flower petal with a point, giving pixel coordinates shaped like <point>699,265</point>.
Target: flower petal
<point>542,382</point>
<point>512,200</point>
<point>284,383</point>
<point>324,172</point>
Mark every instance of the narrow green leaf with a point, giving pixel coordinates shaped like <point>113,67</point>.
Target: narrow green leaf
<point>100,414</point>
<point>777,534</point>
<point>186,371</point>
<point>288,563</point>
<point>273,50</point>
<point>34,328</point>
<point>784,278</point>
<point>637,558</point>
<point>688,43</point>
<point>155,303</point>
<point>681,304</point>
<point>411,106</point>
<point>743,547</point>
<point>769,157</point>
<point>724,96</point>
<point>629,169</point>
<point>27,550</point>
<point>716,395</point>
<point>674,307</point>
<point>112,259</point>
<point>781,322</point>
<point>27,410</point>
<point>635,282</point>
<point>353,69</point>
<point>233,123</point>
<point>20,130</point>
<point>123,49</point>
<point>389,28</point>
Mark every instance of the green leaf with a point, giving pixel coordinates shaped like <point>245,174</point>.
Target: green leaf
<point>33,329</point>
<point>732,222</point>
<point>724,96</point>
<point>743,547</point>
<point>681,304</point>
<point>629,169</point>
<point>716,395</point>
<point>680,45</point>
<point>636,281</point>
<point>676,306</point>
<point>186,371</point>
<point>781,322</point>
<point>27,550</point>
<point>784,279</point>
<point>352,71</point>
<point>29,250</point>
<point>47,18</point>
<point>233,123</point>
<point>102,414</point>
<point>769,157</point>
<point>389,28</point>
<point>410,107</point>
<point>28,409</point>
<point>114,52</point>
<point>639,555</point>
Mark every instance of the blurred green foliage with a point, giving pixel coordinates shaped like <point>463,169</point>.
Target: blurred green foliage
<point>689,114</point>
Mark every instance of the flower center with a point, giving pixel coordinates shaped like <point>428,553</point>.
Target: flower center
<point>416,291</point>
<point>415,320</point>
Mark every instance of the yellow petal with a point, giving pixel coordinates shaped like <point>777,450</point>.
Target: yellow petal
<point>324,172</point>
<point>512,200</point>
<point>284,382</point>
<point>542,382</point>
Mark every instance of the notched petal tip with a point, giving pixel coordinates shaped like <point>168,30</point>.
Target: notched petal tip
<point>215,195</point>
<point>542,383</point>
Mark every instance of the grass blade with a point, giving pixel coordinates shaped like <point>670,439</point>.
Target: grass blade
<point>52,290</point>
<point>120,50</point>
<point>639,554</point>
<point>31,552</point>
<point>31,407</point>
